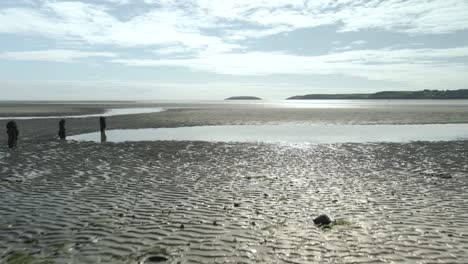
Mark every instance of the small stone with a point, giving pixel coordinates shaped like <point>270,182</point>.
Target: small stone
<point>445,176</point>
<point>322,220</point>
<point>334,201</point>
<point>121,215</point>
<point>265,195</point>
<point>253,224</point>
<point>182,226</point>
<point>156,259</point>
<point>236,204</point>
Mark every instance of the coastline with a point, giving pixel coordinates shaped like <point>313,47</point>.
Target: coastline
<point>216,113</point>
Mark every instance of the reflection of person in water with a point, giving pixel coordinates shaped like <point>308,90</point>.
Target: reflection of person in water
<point>13,133</point>
<point>62,134</point>
<point>102,125</point>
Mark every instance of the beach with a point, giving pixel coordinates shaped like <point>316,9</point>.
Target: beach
<point>233,202</point>
<point>182,114</point>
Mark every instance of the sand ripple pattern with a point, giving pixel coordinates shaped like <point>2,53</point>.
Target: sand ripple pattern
<point>196,202</point>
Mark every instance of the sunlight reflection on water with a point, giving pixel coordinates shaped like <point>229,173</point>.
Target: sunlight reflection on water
<point>109,112</point>
<point>289,133</point>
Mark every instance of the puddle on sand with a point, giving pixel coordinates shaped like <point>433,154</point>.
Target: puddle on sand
<point>289,133</point>
<point>109,112</point>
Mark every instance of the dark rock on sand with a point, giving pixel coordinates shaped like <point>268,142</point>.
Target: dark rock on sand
<point>322,220</point>
<point>442,175</point>
<point>155,259</point>
<point>445,176</point>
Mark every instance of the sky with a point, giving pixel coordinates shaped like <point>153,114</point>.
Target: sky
<point>213,49</point>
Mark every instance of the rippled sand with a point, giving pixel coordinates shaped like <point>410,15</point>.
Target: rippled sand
<point>195,202</point>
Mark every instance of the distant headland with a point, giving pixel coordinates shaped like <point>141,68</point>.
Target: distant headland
<point>243,98</point>
<point>424,94</point>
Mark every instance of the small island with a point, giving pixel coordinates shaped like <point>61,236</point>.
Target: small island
<point>243,98</point>
<point>425,94</point>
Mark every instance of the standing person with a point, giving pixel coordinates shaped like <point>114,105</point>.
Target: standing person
<point>102,125</point>
<point>13,134</point>
<point>62,133</point>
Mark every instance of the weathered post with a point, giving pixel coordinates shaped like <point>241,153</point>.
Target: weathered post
<point>102,125</point>
<point>13,134</point>
<point>62,133</point>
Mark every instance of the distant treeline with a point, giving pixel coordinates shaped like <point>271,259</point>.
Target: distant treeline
<point>425,94</point>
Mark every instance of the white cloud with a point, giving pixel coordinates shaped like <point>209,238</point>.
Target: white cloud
<point>54,55</point>
<point>213,36</point>
<point>188,23</point>
<point>144,90</point>
<point>94,25</point>
<point>418,67</point>
<point>118,2</point>
<point>353,45</point>
<point>416,16</point>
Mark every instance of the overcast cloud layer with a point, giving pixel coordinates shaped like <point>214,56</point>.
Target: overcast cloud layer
<point>208,49</point>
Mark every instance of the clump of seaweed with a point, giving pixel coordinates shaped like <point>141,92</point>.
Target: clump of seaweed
<point>31,241</point>
<point>336,223</point>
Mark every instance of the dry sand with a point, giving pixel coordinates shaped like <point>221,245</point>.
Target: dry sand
<point>199,202</point>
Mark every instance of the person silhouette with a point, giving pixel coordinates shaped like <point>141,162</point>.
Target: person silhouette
<point>13,134</point>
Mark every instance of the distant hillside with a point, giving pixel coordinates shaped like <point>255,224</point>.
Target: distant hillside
<point>425,94</point>
<point>243,98</point>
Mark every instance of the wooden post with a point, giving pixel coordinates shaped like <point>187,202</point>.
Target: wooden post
<point>62,133</point>
<point>102,126</point>
<point>13,134</point>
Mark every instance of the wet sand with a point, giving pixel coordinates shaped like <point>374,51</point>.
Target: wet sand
<point>200,202</point>
<point>199,114</point>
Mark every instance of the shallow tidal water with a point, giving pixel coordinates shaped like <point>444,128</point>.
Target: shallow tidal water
<point>200,202</point>
<point>314,134</point>
<point>108,112</point>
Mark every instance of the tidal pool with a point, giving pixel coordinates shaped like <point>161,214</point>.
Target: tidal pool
<point>289,133</point>
<point>108,112</point>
